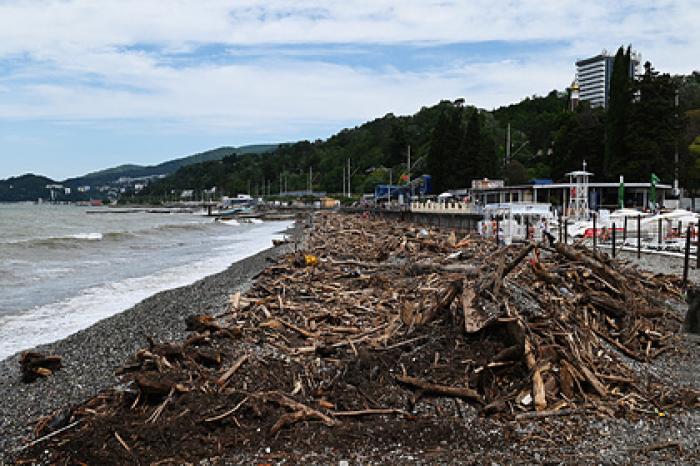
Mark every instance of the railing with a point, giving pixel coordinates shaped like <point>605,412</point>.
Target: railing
<point>464,208</point>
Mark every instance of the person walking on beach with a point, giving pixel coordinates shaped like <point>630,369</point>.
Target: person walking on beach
<point>544,232</point>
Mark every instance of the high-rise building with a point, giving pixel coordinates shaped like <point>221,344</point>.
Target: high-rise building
<point>594,74</point>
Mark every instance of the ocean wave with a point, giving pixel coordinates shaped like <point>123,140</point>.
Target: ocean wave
<point>49,322</point>
<point>179,227</point>
<point>79,239</point>
<point>68,241</point>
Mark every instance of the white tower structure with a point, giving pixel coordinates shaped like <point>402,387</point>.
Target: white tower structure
<point>575,95</point>
<point>578,193</point>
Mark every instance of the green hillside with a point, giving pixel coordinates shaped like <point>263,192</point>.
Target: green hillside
<point>442,134</point>
<point>24,188</point>
<point>31,187</point>
<point>137,171</point>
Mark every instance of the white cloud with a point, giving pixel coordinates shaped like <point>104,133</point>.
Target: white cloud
<point>77,60</point>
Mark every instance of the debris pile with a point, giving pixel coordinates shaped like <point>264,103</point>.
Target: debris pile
<point>384,322</point>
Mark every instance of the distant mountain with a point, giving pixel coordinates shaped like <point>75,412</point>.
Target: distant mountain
<point>137,171</point>
<point>31,187</point>
<point>24,188</point>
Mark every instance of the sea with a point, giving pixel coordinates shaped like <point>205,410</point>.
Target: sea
<point>63,268</point>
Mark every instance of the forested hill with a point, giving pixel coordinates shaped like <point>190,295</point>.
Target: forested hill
<point>31,187</point>
<point>373,148</point>
<point>451,141</point>
<point>24,188</point>
<point>456,143</point>
<point>165,168</point>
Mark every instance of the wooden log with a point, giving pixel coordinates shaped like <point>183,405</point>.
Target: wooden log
<point>368,412</point>
<point>227,413</point>
<point>34,365</point>
<point>223,380</point>
<point>566,380</point>
<point>157,384</point>
<point>448,294</point>
<point>607,304</point>
<point>301,412</point>
<point>207,357</point>
<point>415,267</point>
<point>538,390</point>
<point>517,260</point>
<point>201,323</point>
<point>620,346</point>
<point>542,414</point>
<point>437,389</point>
<point>594,381</point>
<point>511,353</point>
<point>475,318</point>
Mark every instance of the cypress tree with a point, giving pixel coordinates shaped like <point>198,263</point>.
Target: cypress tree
<point>469,149</point>
<point>653,127</point>
<point>438,152</point>
<point>617,120</point>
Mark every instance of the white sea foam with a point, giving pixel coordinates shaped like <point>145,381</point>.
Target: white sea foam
<point>87,236</point>
<point>52,322</point>
<point>230,223</point>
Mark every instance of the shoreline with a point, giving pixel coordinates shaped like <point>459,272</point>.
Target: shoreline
<point>323,353</point>
<point>91,355</point>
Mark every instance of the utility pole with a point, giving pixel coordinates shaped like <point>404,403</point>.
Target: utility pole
<point>676,189</point>
<point>409,170</point>
<point>280,184</point>
<point>349,175</point>
<point>343,180</point>
<point>389,196</point>
<point>507,146</point>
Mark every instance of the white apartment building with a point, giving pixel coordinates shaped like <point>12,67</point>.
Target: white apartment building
<point>594,75</point>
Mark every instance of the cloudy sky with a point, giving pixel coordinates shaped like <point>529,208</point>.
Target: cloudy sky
<point>88,84</point>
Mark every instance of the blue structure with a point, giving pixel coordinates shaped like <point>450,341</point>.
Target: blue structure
<point>381,191</point>
<point>426,186</point>
<point>418,187</point>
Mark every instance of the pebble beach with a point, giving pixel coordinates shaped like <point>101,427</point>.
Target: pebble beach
<point>91,356</point>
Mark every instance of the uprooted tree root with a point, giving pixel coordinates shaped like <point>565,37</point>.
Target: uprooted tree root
<point>391,324</point>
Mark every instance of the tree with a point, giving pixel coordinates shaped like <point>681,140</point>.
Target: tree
<point>477,153</point>
<point>516,173</point>
<point>443,157</point>
<point>617,118</point>
<point>579,138</point>
<point>653,128</point>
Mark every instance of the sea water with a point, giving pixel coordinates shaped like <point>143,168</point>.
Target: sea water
<point>63,268</point>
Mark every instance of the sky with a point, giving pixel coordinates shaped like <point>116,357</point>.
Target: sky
<point>87,84</point>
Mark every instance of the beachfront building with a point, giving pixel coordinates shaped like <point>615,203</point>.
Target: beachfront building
<point>593,77</point>
<point>600,195</point>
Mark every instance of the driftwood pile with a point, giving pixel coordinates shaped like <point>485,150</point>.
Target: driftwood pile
<point>378,321</point>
